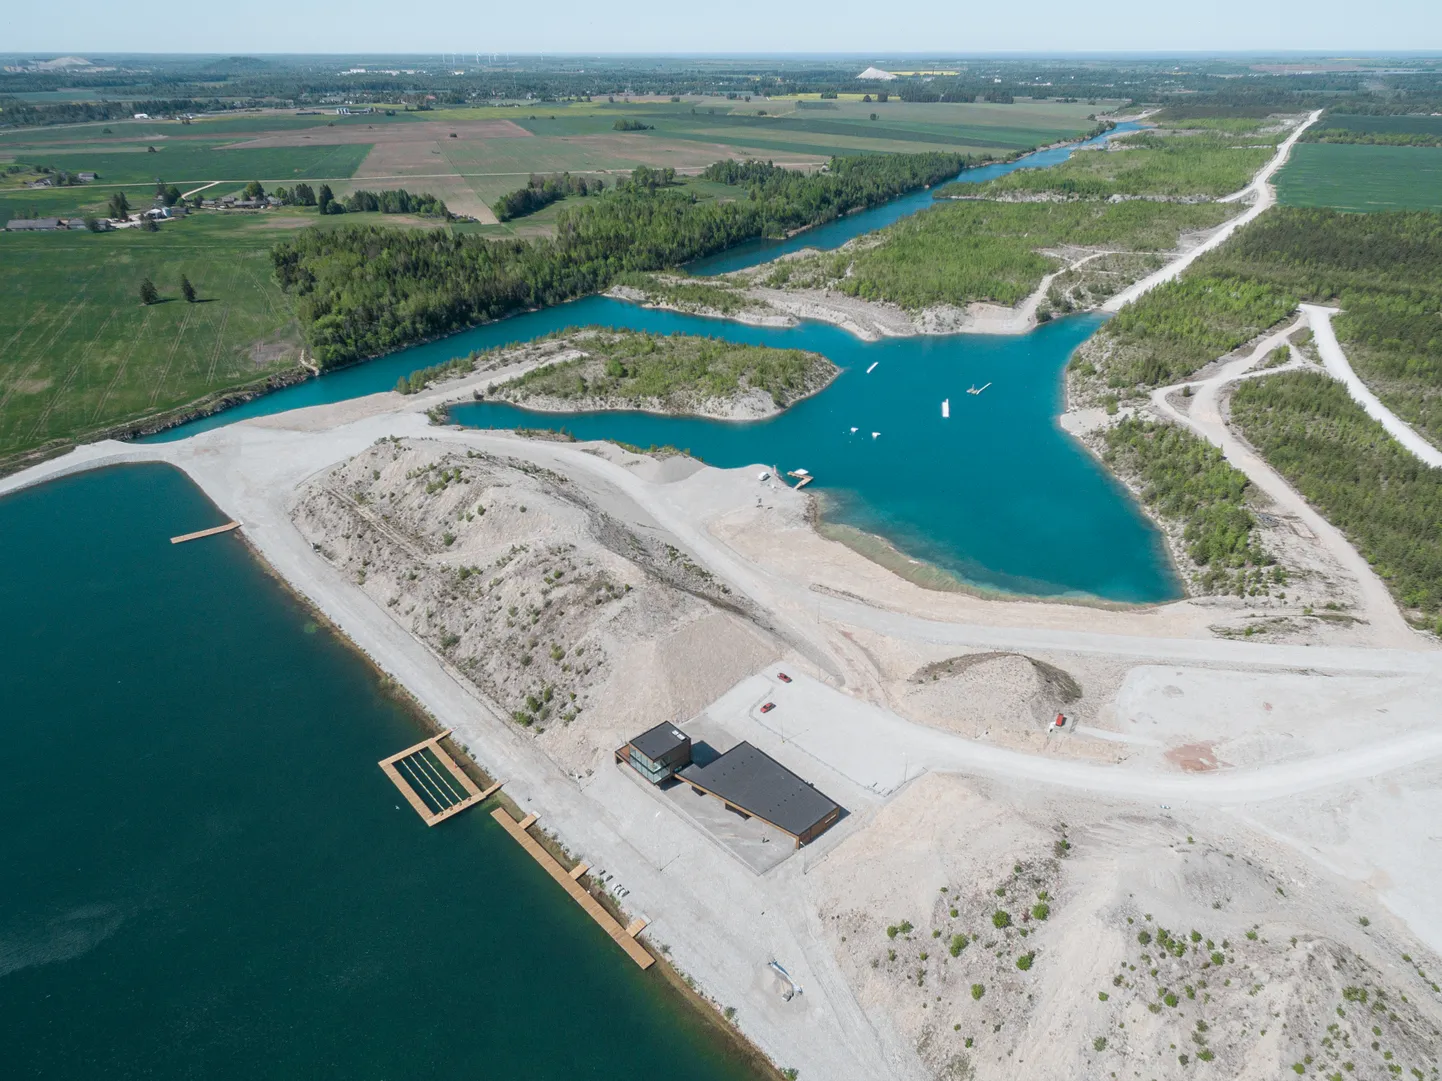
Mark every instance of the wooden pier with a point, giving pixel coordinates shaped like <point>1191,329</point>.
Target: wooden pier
<point>426,775</point>
<point>204,533</point>
<point>625,937</point>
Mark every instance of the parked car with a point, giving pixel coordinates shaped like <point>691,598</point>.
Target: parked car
<point>768,707</point>
<point>783,677</point>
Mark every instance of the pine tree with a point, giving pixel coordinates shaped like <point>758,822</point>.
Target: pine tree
<point>148,292</point>
<point>187,290</point>
<point>120,206</point>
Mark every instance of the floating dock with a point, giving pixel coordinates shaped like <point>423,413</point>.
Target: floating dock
<point>205,533</point>
<point>625,937</point>
<point>431,781</point>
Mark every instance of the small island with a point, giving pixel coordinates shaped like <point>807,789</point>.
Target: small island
<point>597,369</point>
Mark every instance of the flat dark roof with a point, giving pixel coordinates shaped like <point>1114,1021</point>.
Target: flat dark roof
<point>758,784</point>
<point>656,742</point>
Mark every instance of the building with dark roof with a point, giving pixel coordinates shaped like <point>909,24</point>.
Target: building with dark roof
<point>750,781</point>
<point>34,225</point>
<point>657,753</point>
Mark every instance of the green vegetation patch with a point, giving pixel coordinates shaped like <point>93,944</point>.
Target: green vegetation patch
<point>1364,482</point>
<point>1355,177</point>
<point>361,292</point>
<point>966,251</point>
<point>1377,130</point>
<point>675,372</point>
<point>1383,270</point>
<point>1187,480</point>
<point>83,355</point>
<point>1175,166</point>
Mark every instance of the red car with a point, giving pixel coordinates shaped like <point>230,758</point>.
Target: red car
<point>783,677</point>
<point>768,707</point>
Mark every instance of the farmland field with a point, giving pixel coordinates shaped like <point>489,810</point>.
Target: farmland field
<point>1357,177</point>
<point>469,156</point>
<point>79,353</point>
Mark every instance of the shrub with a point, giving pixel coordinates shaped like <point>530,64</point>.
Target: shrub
<point>1001,918</point>
<point>977,990</point>
<point>1144,937</point>
<point>1040,911</point>
<point>1099,1044</point>
<point>958,943</point>
<point>1024,961</point>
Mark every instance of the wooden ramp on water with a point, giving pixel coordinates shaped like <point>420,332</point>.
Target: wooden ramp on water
<point>205,533</point>
<point>431,781</point>
<point>625,937</point>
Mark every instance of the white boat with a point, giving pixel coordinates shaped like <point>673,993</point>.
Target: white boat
<point>874,363</point>
<point>875,434</point>
<point>946,407</point>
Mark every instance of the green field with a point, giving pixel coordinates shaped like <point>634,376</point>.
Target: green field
<point>200,162</point>
<point>1355,177</point>
<point>1387,125</point>
<point>79,353</point>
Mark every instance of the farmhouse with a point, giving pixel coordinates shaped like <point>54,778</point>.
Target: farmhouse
<point>34,225</point>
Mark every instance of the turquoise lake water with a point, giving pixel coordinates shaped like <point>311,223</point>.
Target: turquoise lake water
<point>203,873</point>
<point>997,495</point>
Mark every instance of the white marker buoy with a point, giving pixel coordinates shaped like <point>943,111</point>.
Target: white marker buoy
<point>874,363</point>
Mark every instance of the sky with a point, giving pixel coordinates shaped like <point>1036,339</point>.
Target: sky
<point>936,27</point>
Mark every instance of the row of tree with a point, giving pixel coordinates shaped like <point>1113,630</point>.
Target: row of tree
<point>361,292</point>
<point>542,191</point>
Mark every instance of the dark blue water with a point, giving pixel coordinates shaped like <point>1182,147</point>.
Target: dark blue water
<point>203,873</point>
<point>836,233</point>
<point>997,495</point>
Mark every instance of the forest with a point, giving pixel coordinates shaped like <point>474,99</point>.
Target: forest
<point>542,191</point>
<point>1386,501</point>
<point>364,291</point>
<point>983,250</point>
<point>1187,479</point>
<point>1383,269</point>
<point>1175,166</point>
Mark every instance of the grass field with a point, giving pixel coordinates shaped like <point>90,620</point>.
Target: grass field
<point>79,353</point>
<point>1356,177</point>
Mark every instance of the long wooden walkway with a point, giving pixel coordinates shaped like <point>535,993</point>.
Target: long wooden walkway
<point>205,533</point>
<point>421,774</point>
<point>625,936</point>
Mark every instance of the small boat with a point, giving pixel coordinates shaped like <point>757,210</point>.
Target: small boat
<point>977,390</point>
<point>946,407</point>
<point>875,434</point>
<point>874,363</point>
<point>853,431</point>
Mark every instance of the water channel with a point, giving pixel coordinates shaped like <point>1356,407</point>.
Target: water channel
<point>996,495</point>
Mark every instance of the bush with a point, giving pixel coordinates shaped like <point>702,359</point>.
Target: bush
<point>1024,961</point>
<point>1099,1044</point>
<point>958,943</point>
<point>1040,911</point>
<point>977,990</point>
<point>1000,919</point>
